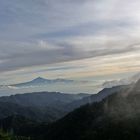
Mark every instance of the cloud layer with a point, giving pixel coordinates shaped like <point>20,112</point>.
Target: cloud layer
<point>37,34</point>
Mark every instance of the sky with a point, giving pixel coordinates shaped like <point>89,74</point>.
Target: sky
<point>71,39</point>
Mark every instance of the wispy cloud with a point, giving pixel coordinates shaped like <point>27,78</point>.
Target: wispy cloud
<point>50,32</point>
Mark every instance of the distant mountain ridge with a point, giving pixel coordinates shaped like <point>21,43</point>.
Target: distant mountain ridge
<point>40,106</point>
<point>43,98</point>
<point>49,106</point>
<point>97,97</point>
<point>42,81</point>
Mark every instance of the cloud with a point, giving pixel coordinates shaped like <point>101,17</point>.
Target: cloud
<point>40,33</point>
<point>42,52</point>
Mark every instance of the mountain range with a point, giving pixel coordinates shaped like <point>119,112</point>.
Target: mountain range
<point>41,106</point>
<point>49,106</point>
<point>116,117</point>
<point>107,115</point>
<point>41,81</point>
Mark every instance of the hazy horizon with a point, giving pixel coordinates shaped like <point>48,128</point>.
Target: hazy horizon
<point>89,40</point>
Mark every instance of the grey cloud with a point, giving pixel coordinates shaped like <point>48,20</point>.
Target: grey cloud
<point>28,18</point>
<point>67,53</point>
<point>24,22</point>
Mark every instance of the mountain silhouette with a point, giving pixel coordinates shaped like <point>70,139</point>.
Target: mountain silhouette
<point>115,117</point>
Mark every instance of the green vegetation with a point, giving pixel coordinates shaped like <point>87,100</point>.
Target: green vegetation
<point>4,136</point>
<point>8,136</point>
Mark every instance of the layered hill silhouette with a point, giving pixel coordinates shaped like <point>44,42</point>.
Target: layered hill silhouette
<point>115,117</point>
<point>96,97</point>
<point>41,106</point>
<point>112,114</point>
<point>48,106</point>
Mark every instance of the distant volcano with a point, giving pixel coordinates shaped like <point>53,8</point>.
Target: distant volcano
<point>42,81</point>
